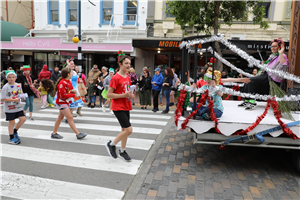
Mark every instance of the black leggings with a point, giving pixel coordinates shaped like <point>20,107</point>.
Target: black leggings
<point>155,98</point>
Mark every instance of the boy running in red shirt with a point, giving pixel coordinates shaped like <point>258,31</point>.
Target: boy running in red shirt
<point>120,94</point>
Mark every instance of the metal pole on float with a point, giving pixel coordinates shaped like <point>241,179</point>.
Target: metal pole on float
<point>195,73</point>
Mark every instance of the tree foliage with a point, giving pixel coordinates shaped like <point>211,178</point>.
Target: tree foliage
<point>207,15</point>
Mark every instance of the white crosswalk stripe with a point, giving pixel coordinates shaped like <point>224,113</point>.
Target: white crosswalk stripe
<point>45,166</point>
<point>41,188</point>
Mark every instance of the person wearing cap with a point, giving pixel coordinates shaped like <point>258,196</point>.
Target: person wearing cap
<point>106,86</point>
<point>27,87</point>
<point>10,95</point>
<point>156,82</point>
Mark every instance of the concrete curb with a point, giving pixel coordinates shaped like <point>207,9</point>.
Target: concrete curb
<point>133,189</point>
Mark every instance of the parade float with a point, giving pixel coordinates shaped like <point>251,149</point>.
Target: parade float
<point>262,127</point>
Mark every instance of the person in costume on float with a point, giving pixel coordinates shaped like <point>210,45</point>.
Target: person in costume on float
<point>260,83</point>
<point>27,87</point>
<point>201,82</point>
<point>217,96</point>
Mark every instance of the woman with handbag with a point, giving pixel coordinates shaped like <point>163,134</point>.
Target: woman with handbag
<point>145,89</point>
<point>81,87</point>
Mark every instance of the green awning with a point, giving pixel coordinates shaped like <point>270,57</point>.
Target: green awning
<point>9,29</point>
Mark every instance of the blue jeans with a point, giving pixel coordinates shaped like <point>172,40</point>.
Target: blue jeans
<point>160,97</point>
<point>92,99</point>
<point>29,103</point>
<point>204,109</point>
<point>101,99</point>
<point>167,96</point>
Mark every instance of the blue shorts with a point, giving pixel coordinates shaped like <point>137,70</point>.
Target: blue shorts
<point>13,116</point>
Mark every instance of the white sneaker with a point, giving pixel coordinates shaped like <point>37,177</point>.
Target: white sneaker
<point>111,112</point>
<point>43,107</point>
<point>103,108</point>
<point>107,106</point>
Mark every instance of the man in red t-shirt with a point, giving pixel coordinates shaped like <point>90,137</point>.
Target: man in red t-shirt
<point>119,92</point>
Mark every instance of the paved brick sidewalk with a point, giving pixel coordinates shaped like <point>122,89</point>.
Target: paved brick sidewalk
<point>183,170</point>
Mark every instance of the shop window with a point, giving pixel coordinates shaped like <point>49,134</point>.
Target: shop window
<point>72,12</point>
<point>266,5</point>
<point>106,12</point>
<point>169,15</point>
<point>53,12</point>
<point>131,13</point>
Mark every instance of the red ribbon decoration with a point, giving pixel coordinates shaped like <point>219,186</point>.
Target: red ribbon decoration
<point>178,111</point>
<point>250,128</point>
<point>212,114</point>
<point>285,129</point>
<point>202,101</point>
<point>234,88</point>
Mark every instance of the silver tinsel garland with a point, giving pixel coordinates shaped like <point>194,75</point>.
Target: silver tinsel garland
<point>233,84</point>
<point>250,59</point>
<point>212,91</point>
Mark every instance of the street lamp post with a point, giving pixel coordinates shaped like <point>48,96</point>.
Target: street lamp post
<point>79,37</point>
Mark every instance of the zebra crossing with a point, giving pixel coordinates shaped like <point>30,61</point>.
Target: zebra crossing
<point>44,168</point>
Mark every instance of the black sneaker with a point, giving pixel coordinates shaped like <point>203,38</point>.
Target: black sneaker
<point>124,156</point>
<point>244,104</point>
<point>251,106</point>
<point>111,149</point>
<point>56,136</point>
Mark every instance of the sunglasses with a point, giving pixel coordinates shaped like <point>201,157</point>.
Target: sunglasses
<point>274,46</point>
<point>95,68</point>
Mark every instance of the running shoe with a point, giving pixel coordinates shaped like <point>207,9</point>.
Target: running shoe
<point>14,141</point>
<point>81,135</point>
<point>56,136</point>
<point>43,107</point>
<point>17,136</point>
<point>111,149</point>
<point>103,108</point>
<point>124,156</point>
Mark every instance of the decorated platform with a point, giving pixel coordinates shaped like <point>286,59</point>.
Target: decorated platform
<point>236,118</point>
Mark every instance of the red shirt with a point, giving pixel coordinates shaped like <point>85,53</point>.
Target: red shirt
<point>120,85</point>
<point>200,83</point>
<point>63,92</point>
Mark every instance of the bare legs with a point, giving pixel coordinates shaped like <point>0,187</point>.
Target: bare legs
<point>68,115</point>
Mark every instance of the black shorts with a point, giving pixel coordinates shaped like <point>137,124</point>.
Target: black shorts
<point>13,116</point>
<point>123,118</point>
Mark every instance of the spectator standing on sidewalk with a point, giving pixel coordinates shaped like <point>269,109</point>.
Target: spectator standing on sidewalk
<point>101,88</point>
<point>156,82</point>
<point>55,75</point>
<point>173,89</point>
<point>93,74</point>
<point>46,74</point>
<point>92,93</point>
<point>106,86</point>
<point>133,79</point>
<point>145,89</point>
<point>167,86</point>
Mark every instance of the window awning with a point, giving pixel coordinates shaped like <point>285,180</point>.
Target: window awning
<point>9,29</point>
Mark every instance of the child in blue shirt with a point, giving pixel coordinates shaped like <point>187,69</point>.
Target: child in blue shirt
<point>216,97</point>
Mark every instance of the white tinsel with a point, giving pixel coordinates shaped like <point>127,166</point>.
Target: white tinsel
<point>250,59</point>
<point>237,93</point>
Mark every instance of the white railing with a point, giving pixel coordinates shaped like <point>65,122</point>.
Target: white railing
<point>118,22</point>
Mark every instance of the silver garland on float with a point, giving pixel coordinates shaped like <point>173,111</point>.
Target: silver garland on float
<point>212,91</point>
<point>233,84</point>
<point>250,59</point>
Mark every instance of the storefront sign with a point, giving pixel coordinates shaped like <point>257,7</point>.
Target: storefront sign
<point>263,46</point>
<point>56,44</point>
<point>65,53</point>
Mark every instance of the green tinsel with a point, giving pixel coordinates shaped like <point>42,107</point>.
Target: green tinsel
<point>284,107</point>
<point>188,96</point>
